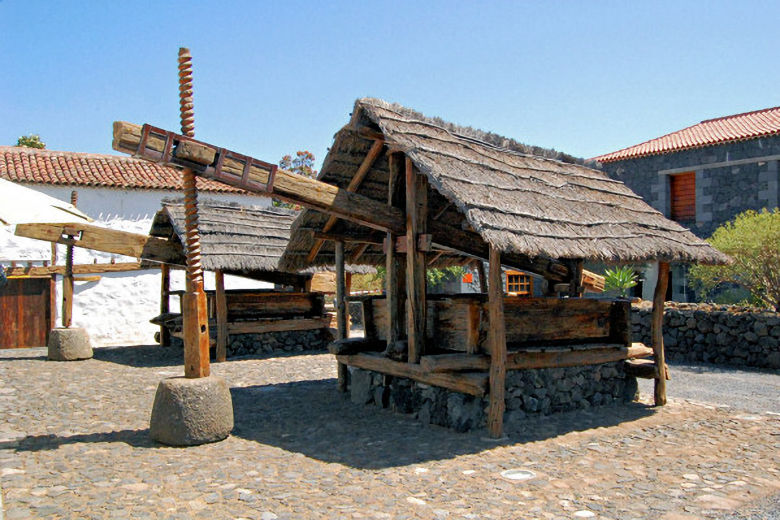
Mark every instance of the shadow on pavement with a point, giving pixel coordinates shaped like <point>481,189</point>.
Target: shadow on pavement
<point>152,356</point>
<point>314,419</point>
<point>135,438</point>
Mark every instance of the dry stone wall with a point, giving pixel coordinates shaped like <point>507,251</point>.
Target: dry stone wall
<point>528,393</point>
<point>273,342</point>
<point>720,334</point>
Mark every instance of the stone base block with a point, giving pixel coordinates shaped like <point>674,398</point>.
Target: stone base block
<point>188,412</point>
<point>69,344</point>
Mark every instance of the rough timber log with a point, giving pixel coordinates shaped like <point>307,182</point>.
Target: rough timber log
<point>416,219</point>
<point>102,239</point>
<point>315,195</point>
<point>39,271</point>
<point>496,346</point>
<point>467,383</point>
<point>657,333</point>
<point>559,357</point>
<point>341,312</point>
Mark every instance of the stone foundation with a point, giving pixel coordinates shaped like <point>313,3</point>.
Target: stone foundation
<point>528,392</point>
<point>272,342</point>
<point>720,334</point>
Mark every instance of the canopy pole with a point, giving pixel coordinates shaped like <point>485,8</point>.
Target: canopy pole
<point>221,304</point>
<point>395,278</point>
<point>341,318</point>
<point>497,346</point>
<point>165,293</point>
<point>416,220</point>
<point>657,334</point>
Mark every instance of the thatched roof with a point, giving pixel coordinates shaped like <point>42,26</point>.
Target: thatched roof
<point>521,199</point>
<point>232,237</point>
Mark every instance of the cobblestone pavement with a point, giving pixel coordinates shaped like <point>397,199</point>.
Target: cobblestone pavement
<point>74,444</point>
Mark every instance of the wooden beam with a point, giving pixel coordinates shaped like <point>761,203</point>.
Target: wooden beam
<point>395,277</point>
<point>262,326</point>
<point>467,383</point>
<point>349,238</point>
<point>319,196</point>
<point>354,184</point>
<point>496,346</point>
<point>657,333</point>
<point>221,308</point>
<point>341,314</point>
<point>67,289</point>
<point>287,186</point>
<point>576,268</point>
<point>78,269</point>
<point>556,357</point>
<point>165,308</point>
<point>416,224</point>
<point>102,239</point>
<point>358,252</point>
<point>483,283</point>
<point>298,281</point>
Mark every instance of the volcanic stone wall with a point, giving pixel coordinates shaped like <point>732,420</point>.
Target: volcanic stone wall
<point>720,334</point>
<point>273,342</point>
<point>528,392</point>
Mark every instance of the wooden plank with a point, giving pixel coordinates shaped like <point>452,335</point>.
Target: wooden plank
<point>341,312</point>
<point>573,356</point>
<point>657,333</point>
<point>496,346</point>
<point>287,186</point>
<point>548,319</point>
<point>352,346</point>
<point>196,335</point>
<point>416,224</point>
<point>253,304</point>
<point>165,307</point>
<point>67,289</point>
<point>78,269</point>
<point>102,239</point>
<point>395,277</point>
<point>473,321</point>
<point>222,317</point>
<point>467,383</point>
<point>261,326</point>
<point>354,184</point>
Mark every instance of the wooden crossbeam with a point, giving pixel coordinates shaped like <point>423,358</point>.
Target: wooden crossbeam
<point>353,186</point>
<point>258,327</point>
<point>467,383</point>
<point>102,239</point>
<point>559,357</point>
<point>43,271</point>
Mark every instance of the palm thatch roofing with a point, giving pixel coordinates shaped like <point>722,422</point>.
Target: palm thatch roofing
<point>520,199</point>
<point>232,237</point>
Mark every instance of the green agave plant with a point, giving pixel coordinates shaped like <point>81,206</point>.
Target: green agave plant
<point>620,279</point>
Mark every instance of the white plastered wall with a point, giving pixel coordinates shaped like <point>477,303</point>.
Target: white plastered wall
<point>116,309</point>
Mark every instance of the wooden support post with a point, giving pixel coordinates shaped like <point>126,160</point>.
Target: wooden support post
<point>341,317</point>
<point>416,224</point>
<point>395,278</point>
<point>165,294</point>
<point>657,334</point>
<point>496,346</point>
<point>67,280</point>
<point>483,283</point>
<point>222,327</point>
<point>67,290</point>
<point>576,267</point>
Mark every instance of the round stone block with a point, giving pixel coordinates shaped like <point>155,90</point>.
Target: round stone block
<point>187,412</point>
<point>69,344</point>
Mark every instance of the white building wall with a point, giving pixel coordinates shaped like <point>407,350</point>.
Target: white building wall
<point>116,309</point>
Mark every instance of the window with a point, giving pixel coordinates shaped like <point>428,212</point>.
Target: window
<point>682,188</point>
<point>518,283</point>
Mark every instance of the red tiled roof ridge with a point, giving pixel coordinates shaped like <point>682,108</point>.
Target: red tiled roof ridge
<point>709,132</point>
<point>55,167</point>
<point>750,113</point>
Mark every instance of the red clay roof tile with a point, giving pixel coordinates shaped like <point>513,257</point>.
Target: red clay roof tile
<point>86,169</point>
<point>738,127</point>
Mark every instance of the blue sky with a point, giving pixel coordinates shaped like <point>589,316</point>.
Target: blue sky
<point>274,77</point>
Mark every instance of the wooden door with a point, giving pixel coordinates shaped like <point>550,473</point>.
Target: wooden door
<point>26,312</point>
<point>683,196</point>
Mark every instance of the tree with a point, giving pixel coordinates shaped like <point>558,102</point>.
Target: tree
<point>752,239</point>
<point>302,164</point>
<point>30,141</point>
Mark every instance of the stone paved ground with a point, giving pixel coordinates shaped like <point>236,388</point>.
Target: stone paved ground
<point>74,444</point>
